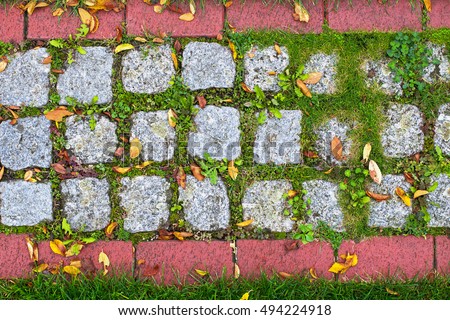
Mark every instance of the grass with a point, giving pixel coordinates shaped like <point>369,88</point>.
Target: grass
<point>263,288</point>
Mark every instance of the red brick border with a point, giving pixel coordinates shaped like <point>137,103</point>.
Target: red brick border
<point>15,261</point>
<point>440,14</point>
<point>443,254</point>
<point>11,25</point>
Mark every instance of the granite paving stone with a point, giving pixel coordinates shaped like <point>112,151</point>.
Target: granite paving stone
<point>379,75</point>
<point>326,64</point>
<point>442,129</point>
<point>437,72</point>
<point>325,135</point>
<point>438,202</point>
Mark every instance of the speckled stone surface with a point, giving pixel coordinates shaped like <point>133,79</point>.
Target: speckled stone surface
<point>380,76</point>
<point>441,71</point>
<point>325,135</point>
<point>326,64</point>
<point>438,202</point>
<point>442,129</point>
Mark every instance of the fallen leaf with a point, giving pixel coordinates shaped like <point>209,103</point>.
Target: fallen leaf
<point>271,73</point>
<point>294,245</point>
<point>375,172</point>
<point>123,47</point>
<point>245,87</point>
<point>236,271</point>
<point>233,49</point>
<point>232,170</point>
<point>366,152</point>
<point>181,235</point>
<point>32,249</point>
<point>312,272</point>
<point>76,263</point>
<point>408,177</point>
<point>420,193</point>
<point>301,11</point>
<point>336,148</point>
<point>110,229</point>
<point>72,270</point>
<point>118,34</point>
<point>391,291</point>
<point>157,9</point>
<point>3,65</point>
<point>328,171</point>
<point>197,172</point>
<point>85,16</point>
<point>177,46</point>
<point>165,235</point>
<point>28,175</point>
<point>103,258</point>
<point>302,86</point>
<point>135,148</point>
<point>402,194</point>
<point>292,193</point>
<point>350,260</point>
<point>2,171</point>
<point>172,118</point>
<point>163,2</point>
<point>245,223</point>
<point>175,60</point>
<point>74,250</point>
<point>378,197</point>
<point>151,271</point>
<point>285,275</point>
<point>119,152</point>
<point>58,114</point>
<point>313,78</point>
<point>277,48</point>
<point>72,3</point>
<point>201,101</point>
<point>106,5</point>
<point>121,170</point>
<point>310,154</point>
<point>93,26</point>
<point>140,39</point>
<point>186,17</point>
<point>143,165</point>
<point>228,4</point>
<point>15,115</point>
<point>58,247</point>
<point>245,296</point>
<point>140,261</point>
<point>192,8</point>
<point>201,272</point>
<point>58,71</point>
<point>158,40</point>
<point>47,60</point>
<point>58,12</point>
<point>181,177</point>
<point>40,268</point>
<point>427,4</point>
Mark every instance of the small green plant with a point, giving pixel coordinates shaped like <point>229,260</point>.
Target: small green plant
<point>212,168</point>
<point>409,58</point>
<point>71,44</point>
<point>5,48</point>
<point>272,105</point>
<point>287,81</point>
<point>305,233</point>
<point>354,186</point>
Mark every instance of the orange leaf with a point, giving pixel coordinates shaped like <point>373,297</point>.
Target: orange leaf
<point>2,171</point>
<point>181,177</point>
<point>313,273</point>
<point>172,117</point>
<point>3,65</point>
<point>58,114</point>
<point>59,168</point>
<point>285,275</point>
<point>121,170</point>
<point>40,268</point>
<point>336,148</point>
<point>201,101</point>
<point>186,17</point>
<point>402,194</point>
<point>181,235</point>
<point>277,48</point>
<point>175,60</point>
<point>197,172</point>
<point>378,197</point>
<point>228,4</point>
<point>408,177</point>
<point>47,60</point>
<point>313,78</point>
<point>58,12</point>
<point>245,223</point>
<point>119,34</point>
<point>427,4</point>
<point>158,40</point>
<point>232,170</point>
<point>310,154</point>
<point>140,39</point>
<point>102,5</point>
<point>245,87</point>
<point>292,193</point>
<point>302,86</point>
<point>76,263</point>
<point>135,148</point>
<point>110,229</point>
<point>58,247</point>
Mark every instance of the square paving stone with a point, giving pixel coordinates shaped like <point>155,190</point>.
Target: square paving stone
<point>440,14</point>
<point>12,24</point>
<point>146,200</point>
<point>15,261</point>
<point>323,203</point>
<point>26,144</point>
<point>438,202</point>
<point>147,70</point>
<point>379,75</point>
<point>403,134</point>
<point>440,72</point>
<point>259,63</point>
<point>326,64</point>
<point>442,129</point>
<point>86,203</point>
<point>87,77</point>
<point>91,146</point>
<point>25,81</point>
<point>442,254</point>
<point>205,205</point>
<point>25,203</point>
<point>278,140</point>
<point>325,135</point>
<point>208,65</point>
<point>157,137</point>
<point>217,133</point>
<point>391,213</point>
<point>265,203</point>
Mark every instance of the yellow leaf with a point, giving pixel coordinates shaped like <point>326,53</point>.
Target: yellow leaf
<point>233,49</point>
<point>402,194</point>
<point>232,170</point>
<point>121,170</point>
<point>352,259</point>
<point>313,78</point>
<point>292,193</point>
<point>85,16</point>
<point>28,175</point>
<point>245,223</point>
<point>158,40</point>
<point>172,116</point>
<point>245,296</point>
<point>40,268</point>
<point>329,171</point>
<point>123,47</point>
<point>175,60</point>
<point>186,17</point>
<point>375,172</point>
<point>32,249</point>
<point>140,39</point>
<point>30,7</point>
<point>58,12</point>
<point>237,271</point>
<point>2,171</point>
<point>74,250</point>
<point>285,275</point>
<point>58,247</point>
<point>143,165</point>
<point>228,4</point>
<point>76,263</point>
<point>71,270</point>
<point>427,5</point>
<point>420,193</point>
<point>245,87</point>
<point>336,148</point>
<point>277,48</point>
<point>3,65</point>
<point>192,6</point>
<point>103,258</point>
<point>158,9</point>
<point>58,114</point>
<point>93,26</point>
<point>313,273</point>
<point>163,2</point>
<point>201,272</point>
<point>366,152</point>
<point>135,148</point>
<point>338,267</point>
<point>391,292</point>
<point>181,235</point>
<point>302,86</point>
<point>301,11</point>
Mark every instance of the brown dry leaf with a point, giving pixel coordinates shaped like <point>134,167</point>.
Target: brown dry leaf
<point>233,49</point>
<point>3,65</point>
<point>58,247</point>
<point>228,4</point>
<point>158,9</point>
<point>201,272</point>
<point>93,26</point>
<point>85,17</point>
<point>2,172</point>
<point>312,272</point>
<point>175,60</point>
<point>59,168</point>
<point>164,235</point>
<point>389,290</point>
<point>310,154</point>
<point>236,271</point>
<point>32,249</point>
<point>420,193</point>
<point>181,177</point>
<point>71,270</point>
<point>192,8</point>
<point>76,263</point>
<point>158,40</point>
<point>181,235</point>
<point>140,261</point>
<point>245,87</point>
<point>271,73</point>
<point>15,115</point>
<point>177,46</point>
<point>121,170</point>
<point>143,165</point>
<point>110,229</point>
<point>58,114</point>
<point>277,48</point>
<point>72,3</point>
<point>313,78</point>
<point>366,152</point>
<point>197,172</point>
<point>301,11</point>
<point>304,89</point>
<point>245,223</point>
<point>294,245</point>
<point>201,101</point>
<point>232,170</point>
<point>292,193</point>
<point>28,175</point>
<point>402,194</point>
<point>140,39</point>
<point>47,60</point>
<point>58,12</point>
<point>119,151</point>
<point>123,47</point>
<point>58,71</point>
<point>119,34</point>
<point>375,172</point>
<point>186,17</point>
<point>103,258</point>
<point>284,275</point>
<point>296,16</point>
<point>378,197</point>
<point>336,148</point>
<point>135,148</point>
<point>40,268</point>
<point>427,4</point>
<point>172,118</point>
<point>408,177</point>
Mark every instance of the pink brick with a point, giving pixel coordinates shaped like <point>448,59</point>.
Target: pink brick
<point>175,261</point>
<point>11,25</point>
<point>42,25</point>
<point>120,254</point>
<point>255,15</point>
<point>443,254</point>
<point>400,256</point>
<point>15,260</point>
<point>272,256</point>
<point>208,22</point>
<point>361,15</point>
<point>440,14</point>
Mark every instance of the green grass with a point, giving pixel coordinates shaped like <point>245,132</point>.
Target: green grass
<point>263,288</point>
